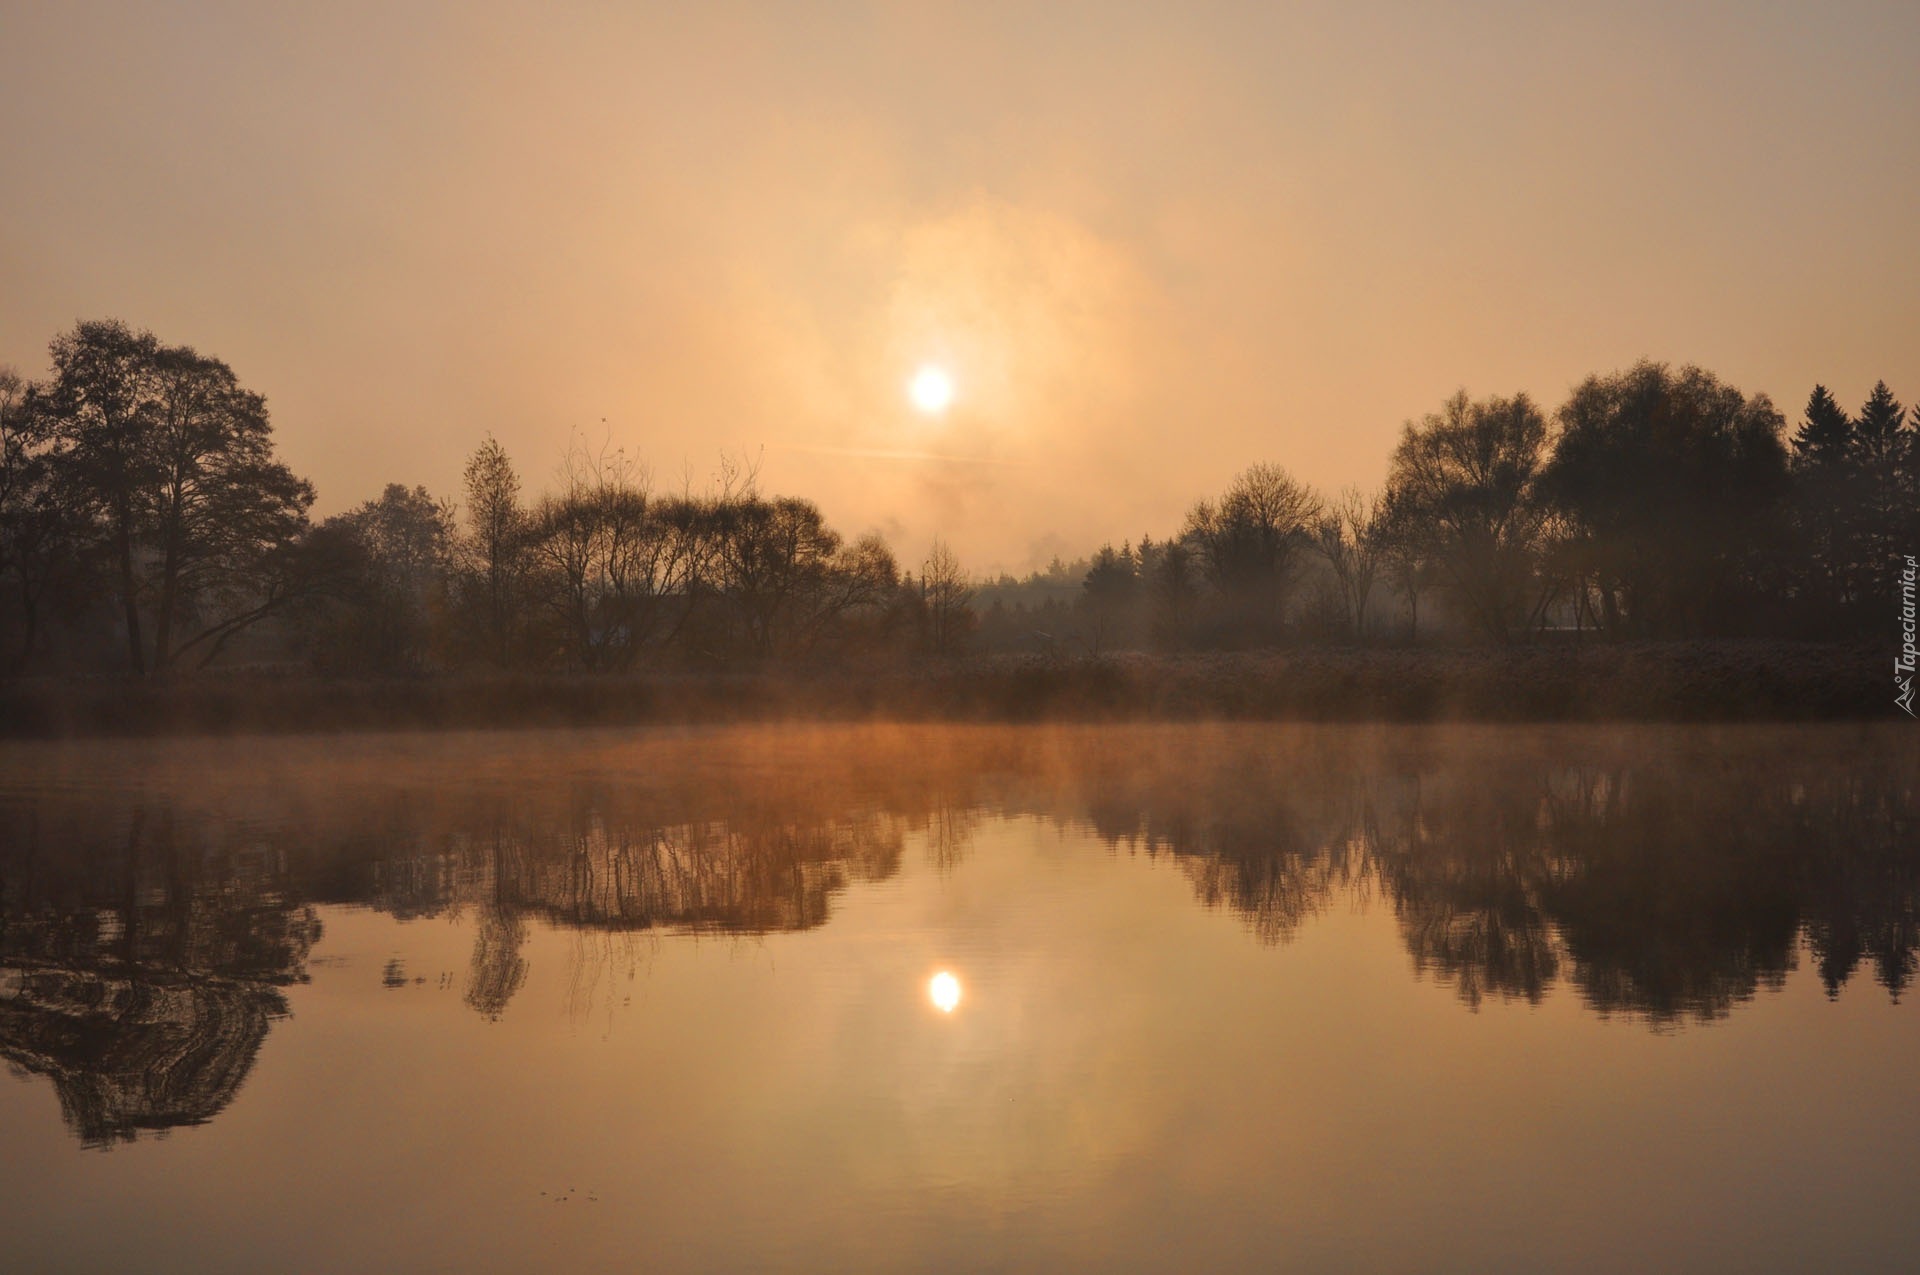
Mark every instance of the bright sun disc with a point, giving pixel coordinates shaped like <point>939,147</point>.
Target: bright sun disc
<point>944,990</point>
<point>931,389</point>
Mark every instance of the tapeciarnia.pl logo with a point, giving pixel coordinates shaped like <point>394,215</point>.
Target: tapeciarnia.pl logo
<point>1904,662</point>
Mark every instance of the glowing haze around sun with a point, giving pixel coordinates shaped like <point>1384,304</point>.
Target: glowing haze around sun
<point>931,389</point>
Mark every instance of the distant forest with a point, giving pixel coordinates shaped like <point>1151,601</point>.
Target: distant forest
<point>147,526</point>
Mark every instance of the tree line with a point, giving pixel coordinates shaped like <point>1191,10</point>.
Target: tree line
<point>147,524</point>
<point>1655,503</point>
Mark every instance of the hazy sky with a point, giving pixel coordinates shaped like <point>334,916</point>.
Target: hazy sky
<point>1151,242</point>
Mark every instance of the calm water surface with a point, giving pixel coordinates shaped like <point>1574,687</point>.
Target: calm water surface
<point>1260,998</point>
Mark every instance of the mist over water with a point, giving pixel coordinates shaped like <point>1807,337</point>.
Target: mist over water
<point>1214,996</point>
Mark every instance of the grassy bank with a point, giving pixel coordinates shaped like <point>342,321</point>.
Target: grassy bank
<point>1656,682</point>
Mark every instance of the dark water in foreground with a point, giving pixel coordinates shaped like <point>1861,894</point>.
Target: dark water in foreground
<point>1262,998</point>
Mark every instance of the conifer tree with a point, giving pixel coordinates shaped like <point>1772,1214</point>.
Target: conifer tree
<point>1880,426</point>
<point>1826,436</point>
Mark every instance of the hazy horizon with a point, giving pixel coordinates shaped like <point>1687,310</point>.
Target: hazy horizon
<point>1149,247</point>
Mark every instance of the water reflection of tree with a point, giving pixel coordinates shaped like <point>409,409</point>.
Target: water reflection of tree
<point>1665,877</point>
<point>497,969</point>
<point>1864,879</point>
<point>603,871</point>
<point>137,972</point>
<point>1661,887</point>
<point>133,1055</point>
<point>1462,861</point>
<point>1267,834</point>
<point>1678,894</point>
<point>949,826</point>
<point>600,858</point>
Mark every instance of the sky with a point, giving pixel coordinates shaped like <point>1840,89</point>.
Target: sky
<point>1149,243</point>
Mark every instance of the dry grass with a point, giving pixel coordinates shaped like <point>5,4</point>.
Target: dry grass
<point>1692,681</point>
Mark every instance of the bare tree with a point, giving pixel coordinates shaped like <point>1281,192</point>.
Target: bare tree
<point>787,576</point>
<point>617,566</point>
<point>1403,561</point>
<point>1250,539</point>
<point>1350,534</point>
<point>948,599</point>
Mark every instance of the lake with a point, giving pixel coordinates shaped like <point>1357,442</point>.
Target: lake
<point>962,998</point>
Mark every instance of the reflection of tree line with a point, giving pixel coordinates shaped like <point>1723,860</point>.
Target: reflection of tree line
<point>744,877</point>
<point>142,947</point>
<point>1657,891</point>
<point>1663,888</point>
<point>604,867</point>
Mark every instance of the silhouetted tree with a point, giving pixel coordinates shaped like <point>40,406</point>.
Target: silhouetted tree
<point>1403,557</point>
<point>40,528</point>
<point>1826,514</point>
<point>1886,491</point>
<point>397,603</point>
<point>1673,484</point>
<point>1826,436</point>
<point>1856,510</point>
<point>494,548</point>
<point>1879,427</point>
<point>616,566</point>
<point>1109,596</point>
<point>1462,488</point>
<point>98,403</point>
<point>946,600</point>
<point>1248,543</point>
<point>788,578</point>
<point>173,462</point>
<point>1351,535</point>
<point>1170,582</point>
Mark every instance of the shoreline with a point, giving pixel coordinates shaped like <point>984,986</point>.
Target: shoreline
<point>1735,681</point>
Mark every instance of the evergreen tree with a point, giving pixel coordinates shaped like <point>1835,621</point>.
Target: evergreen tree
<point>1826,436</point>
<point>1826,482</point>
<point>1109,595</point>
<point>1879,427</point>
<point>1885,495</point>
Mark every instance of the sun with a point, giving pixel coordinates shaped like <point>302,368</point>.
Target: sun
<point>931,389</point>
<point>944,991</point>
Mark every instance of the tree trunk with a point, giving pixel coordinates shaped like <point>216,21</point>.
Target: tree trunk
<point>29,629</point>
<point>135,647</point>
<point>163,616</point>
